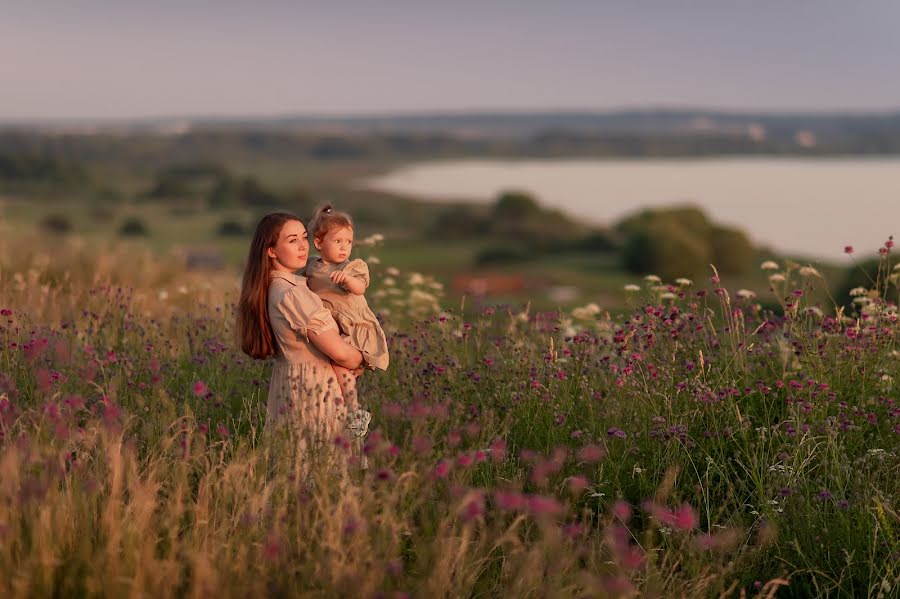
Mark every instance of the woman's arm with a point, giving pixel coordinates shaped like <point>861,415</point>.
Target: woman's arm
<point>332,345</point>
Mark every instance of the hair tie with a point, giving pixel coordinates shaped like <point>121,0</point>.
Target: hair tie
<point>327,210</point>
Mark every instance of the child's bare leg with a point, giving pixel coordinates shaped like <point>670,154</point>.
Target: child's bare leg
<point>347,381</point>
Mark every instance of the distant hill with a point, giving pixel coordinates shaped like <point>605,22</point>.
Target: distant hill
<point>629,133</point>
<point>812,128</point>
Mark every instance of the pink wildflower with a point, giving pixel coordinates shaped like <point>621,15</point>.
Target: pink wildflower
<point>200,388</point>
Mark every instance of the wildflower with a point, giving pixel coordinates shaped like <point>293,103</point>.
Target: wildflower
<point>685,518</point>
<point>809,271</point>
<point>769,265</point>
<point>682,282</point>
<point>586,312</point>
<point>540,505</point>
<point>591,453</point>
<point>823,495</point>
<point>509,501</point>
<point>616,432</point>
<point>667,296</point>
<point>498,450</point>
<point>745,294</point>
<point>858,291</point>
<point>622,511</point>
<point>848,249</point>
<point>776,278</point>
<point>652,279</point>
<point>416,279</point>
<point>441,470</point>
<point>200,388</point>
<point>392,271</point>
<point>631,287</point>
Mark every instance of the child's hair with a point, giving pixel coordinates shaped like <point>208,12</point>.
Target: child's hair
<point>327,218</point>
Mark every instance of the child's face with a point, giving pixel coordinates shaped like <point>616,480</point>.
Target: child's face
<point>336,245</point>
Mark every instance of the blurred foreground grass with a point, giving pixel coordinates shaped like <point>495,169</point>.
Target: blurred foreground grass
<point>695,446</point>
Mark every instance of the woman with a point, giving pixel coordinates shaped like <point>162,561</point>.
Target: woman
<point>279,316</point>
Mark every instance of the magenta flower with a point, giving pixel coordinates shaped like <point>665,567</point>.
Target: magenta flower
<point>622,511</point>
<point>510,501</point>
<point>685,518</point>
<point>540,505</point>
<point>200,388</point>
<point>441,469</point>
<point>848,249</point>
<point>591,453</point>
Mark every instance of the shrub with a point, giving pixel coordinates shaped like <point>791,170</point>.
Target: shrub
<point>458,222</point>
<point>56,223</point>
<point>732,252</point>
<point>133,227</point>
<point>504,254</point>
<point>667,250</point>
<point>231,228</point>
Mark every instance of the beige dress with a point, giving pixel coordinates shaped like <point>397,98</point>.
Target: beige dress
<point>355,319</point>
<point>304,392</point>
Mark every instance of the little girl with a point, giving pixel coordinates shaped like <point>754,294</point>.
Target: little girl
<point>341,282</point>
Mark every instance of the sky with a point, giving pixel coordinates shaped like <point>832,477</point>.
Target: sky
<point>90,59</point>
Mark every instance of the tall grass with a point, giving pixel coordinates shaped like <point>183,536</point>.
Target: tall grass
<point>698,446</point>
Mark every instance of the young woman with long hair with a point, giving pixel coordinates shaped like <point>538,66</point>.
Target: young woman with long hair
<point>278,316</point>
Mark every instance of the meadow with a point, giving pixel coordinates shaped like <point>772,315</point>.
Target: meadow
<point>696,445</point>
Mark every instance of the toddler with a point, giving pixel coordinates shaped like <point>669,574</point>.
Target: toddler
<point>341,282</point>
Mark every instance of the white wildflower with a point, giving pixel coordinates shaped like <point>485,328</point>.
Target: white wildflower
<point>586,312</point>
<point>631,287</point>
<point>809,271</point>
<point>392,271</point>
<point>744,294</point>
<point>416,279</point>
<point>667,296</point>
<point>373,260</point>
<point>776,278</point>
<point>858,291</point>
<point>436,285</point>
<point>862,301</point>
<point>815,311</point>
<point>389,281</point>
<point>897,266</point>
<point>163,295</point>
<point>682,282</point>
<point>769,265</point>
<point>182,289</point>
<point>652,279</point>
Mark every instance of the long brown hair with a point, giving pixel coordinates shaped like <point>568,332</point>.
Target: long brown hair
<point>327,218</point>
<point>253,327</point>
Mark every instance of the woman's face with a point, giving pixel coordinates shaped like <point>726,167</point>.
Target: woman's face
<point>291,249</point>
<point>336,245</point>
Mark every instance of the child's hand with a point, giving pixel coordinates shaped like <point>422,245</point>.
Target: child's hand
<point>338,277</point>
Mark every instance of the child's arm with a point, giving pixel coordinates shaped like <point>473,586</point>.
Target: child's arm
<point>349,282</point>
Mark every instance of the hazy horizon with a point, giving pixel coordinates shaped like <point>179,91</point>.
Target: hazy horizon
<point>96,60</point>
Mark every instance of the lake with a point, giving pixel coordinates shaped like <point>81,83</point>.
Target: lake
<point>804,206</point>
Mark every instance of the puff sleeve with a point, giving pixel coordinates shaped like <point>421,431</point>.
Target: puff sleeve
<point>305,312</point>
<point>359,269</point>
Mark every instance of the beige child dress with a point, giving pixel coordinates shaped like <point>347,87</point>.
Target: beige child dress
<point>355,319</point>
<point>303,391</point>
